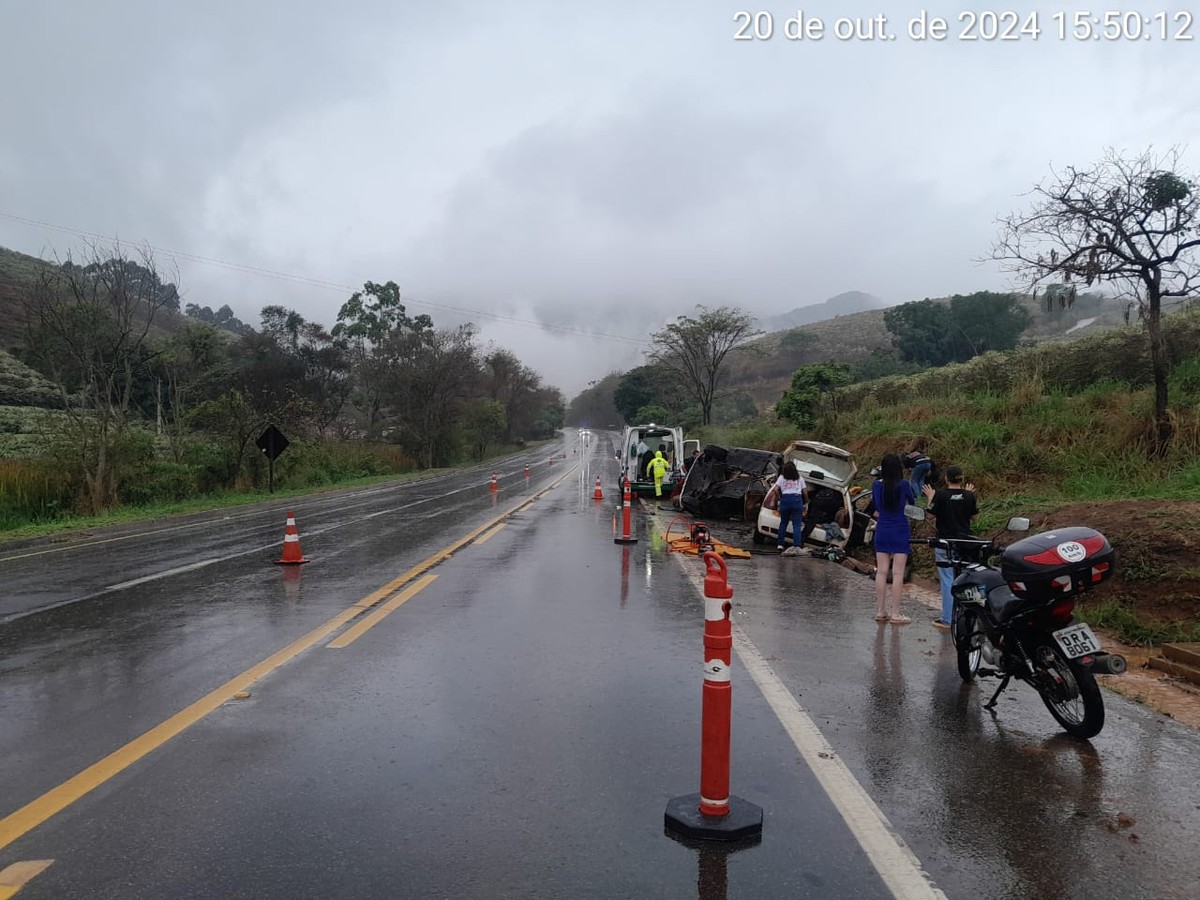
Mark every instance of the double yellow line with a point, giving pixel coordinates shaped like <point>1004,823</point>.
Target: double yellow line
<point>59,798</point>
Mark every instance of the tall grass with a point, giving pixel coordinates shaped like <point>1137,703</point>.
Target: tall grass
<point>1130,628</point>
<point>1092,444</point>
<point>30,493</point>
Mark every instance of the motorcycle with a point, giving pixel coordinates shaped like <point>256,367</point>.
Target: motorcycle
<point>1016,617</point>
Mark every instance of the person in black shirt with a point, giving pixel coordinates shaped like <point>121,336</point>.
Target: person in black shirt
<point>954,506</point>
<point>822,509</point>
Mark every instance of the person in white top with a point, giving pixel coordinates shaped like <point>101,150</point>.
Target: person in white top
<point>792,491</point>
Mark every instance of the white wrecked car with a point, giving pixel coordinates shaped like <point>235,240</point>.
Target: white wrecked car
<point>843,520</point>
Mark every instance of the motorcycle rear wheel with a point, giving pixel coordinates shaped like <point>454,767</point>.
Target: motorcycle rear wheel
<point>1075,701</point>
<point>967,640</point>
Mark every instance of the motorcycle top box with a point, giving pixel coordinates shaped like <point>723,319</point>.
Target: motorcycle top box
<point>1058,563</point>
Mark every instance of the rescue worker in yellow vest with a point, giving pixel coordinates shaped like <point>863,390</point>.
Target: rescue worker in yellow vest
<point>658,467</point>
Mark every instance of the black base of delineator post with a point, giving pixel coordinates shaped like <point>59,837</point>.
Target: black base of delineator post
<point>683,816</point>
<point>624,540</point>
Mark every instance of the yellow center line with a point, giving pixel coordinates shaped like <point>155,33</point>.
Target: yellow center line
<point>37,811</point>
<point>350,635</point>
<point>19,874</point>
<point>491,534</point>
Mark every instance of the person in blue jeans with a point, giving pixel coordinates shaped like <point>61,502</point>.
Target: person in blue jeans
<point>953,506</point>
<point>920,463</point>
<point>791,489</point>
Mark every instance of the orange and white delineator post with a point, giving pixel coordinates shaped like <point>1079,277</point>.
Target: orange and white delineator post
<point>717,707</point>
<point>494,486</point>
<point>626,512</point>
<point>291,544</point>
<point>598,494</point>
<point>714,813</point>
<point>526,471</point>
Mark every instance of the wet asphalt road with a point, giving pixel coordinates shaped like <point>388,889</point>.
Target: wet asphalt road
<point>516,728</point>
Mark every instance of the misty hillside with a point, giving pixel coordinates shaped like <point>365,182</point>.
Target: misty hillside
<point>764,368</point>
<point>842,305</point>
<point>19,269</point>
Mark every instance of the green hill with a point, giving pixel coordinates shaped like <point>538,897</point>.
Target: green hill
<point>764,368</point>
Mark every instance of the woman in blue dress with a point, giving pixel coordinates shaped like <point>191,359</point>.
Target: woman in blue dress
<point>891,493</point>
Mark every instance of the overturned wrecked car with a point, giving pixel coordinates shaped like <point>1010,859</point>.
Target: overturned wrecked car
<point>729,482</point>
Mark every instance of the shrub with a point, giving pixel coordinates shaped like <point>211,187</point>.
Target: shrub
<point>160,482</point>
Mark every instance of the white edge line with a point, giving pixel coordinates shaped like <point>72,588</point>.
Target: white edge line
<point>896,864</point>
<point>898,867</point>
<point>176,571</point>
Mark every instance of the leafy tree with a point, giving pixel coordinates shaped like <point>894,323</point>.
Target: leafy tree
<point>984,321</point>
<point>593,406</point>
<point>429,380</point>
<point>652,413</point>
<point>637,388</point>
<point>919,331</point>
<point>234,422</point>
<point>141,279</point>
<point>811,385</point>
<point>931,333</point>
<point>373,313</point>
<point>485,422</point>
<point>691,351</point>
<point>371,322</point>
<point>551,413</point>
<point>515,387</point>
<point>283,326</point>
<point>327,372</point>
<point>223,318</point>
<point>1133,222</point>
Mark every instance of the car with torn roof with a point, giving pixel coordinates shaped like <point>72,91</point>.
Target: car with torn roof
<point>823,467</point>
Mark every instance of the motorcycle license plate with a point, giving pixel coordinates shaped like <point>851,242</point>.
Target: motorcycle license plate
<point>1077,640</point>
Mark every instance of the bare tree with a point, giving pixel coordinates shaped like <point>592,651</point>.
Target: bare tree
<point>88,328</point>
<point>1130,222</point>
<point>693,350</point>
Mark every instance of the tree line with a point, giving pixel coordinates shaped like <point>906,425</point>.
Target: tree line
<point>195,399</point>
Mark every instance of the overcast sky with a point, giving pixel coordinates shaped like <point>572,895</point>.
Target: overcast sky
<point>596,167</point>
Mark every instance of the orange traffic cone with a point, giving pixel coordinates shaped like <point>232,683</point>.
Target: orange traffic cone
<point>597,494</point>
<point>291,544</point>
<point>495,487</point>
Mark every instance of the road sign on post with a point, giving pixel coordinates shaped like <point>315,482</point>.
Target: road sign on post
<point>271,442</point>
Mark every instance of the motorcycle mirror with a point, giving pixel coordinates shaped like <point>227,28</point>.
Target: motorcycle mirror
<point>914,512</point>
<point>1018,523</point>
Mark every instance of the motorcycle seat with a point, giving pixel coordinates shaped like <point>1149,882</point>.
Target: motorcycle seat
<point>1002,603</point>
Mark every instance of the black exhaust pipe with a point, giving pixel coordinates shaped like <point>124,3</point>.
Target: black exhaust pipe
<point>1109,664</point>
